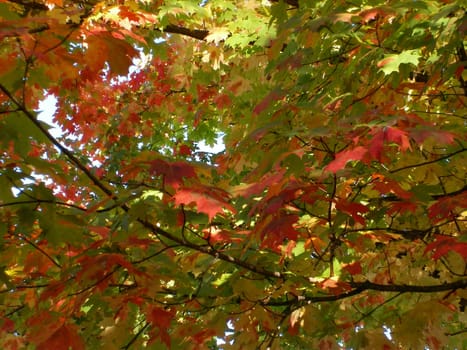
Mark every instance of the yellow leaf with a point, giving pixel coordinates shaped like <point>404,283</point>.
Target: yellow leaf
<point>217,34</point>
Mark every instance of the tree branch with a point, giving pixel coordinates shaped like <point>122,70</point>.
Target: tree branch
<point>447,156</point>
<point>199,34</point>
<point>360,287</point>
<point>407,288</point>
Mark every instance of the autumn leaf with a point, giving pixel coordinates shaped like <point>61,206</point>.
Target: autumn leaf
<point>64,337</point>
<point>173,173</point>
<point>443,245</point>
<point>208,200</point>
<point>355,210</point>
<point>277,231</point>
<point>267,101</point>
<point>385,136</point>
<point>161,318</point>
<point>354,268</point>
<point>343,157</point>
<point>445,207</point>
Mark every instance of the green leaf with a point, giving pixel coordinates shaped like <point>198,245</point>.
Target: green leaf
<point>391,63</point>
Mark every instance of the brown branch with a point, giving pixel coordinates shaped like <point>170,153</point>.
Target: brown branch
<point>293,3</point>
<point>23,286</point>
<point>407,288</point>
<point>51,201</point>
<point>199,34</point>
<point>135,337</point>
<point>360,287</point>
<point>39,201</point>
<point>463,59</point>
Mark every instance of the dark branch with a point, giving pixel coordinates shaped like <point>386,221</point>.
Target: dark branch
<point>293,3</point>
<point>447,156</point>
<point>360,287</point>
<point>406,288</point>
<point>199,34</point>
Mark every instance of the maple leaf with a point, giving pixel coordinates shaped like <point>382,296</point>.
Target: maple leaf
<point>442,245</point>
<point>386,185</point>
<point>354,209</point>
<point>160,318</point>
<point>100,40</point>
<point>421,133</point>
<point>392,62</point>
<point>445,207</point>
<point>267,101</point>
<point>402,207</point>
<point>65,337</point>
<point>216,35</point>
<point>385,135</point>
<point>278,230</point>
<point>354,268</point>
<point>343,157</point>
<point>208,200</point>
<point>173,172</point>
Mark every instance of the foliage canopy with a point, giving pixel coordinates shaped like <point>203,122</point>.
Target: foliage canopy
<point>335,217</point>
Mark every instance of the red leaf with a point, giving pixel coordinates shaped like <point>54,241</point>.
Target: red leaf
<point>259,186</point>
<point>293,329</point>
<point>443,245</point>
<point>184,150</point>
<point>65,337</point>
<point>270,98</point>
<point>53,290</point>
<point>161,319</point>
<point>385,186</point>
<point>402,207</point>
<point>353,209</point>
<point>335,287</point>
<point>387,135</point>
<point>203,336</point>
<point>173,172</point>
<point>276,231</point>
<point>421,133</point>
<point>208,200</point>
<point>222,101</point>
<point>7,325</point>
<point>445,206</point>
<point>159,316</point>
<point>354,268</point>
<point>343,157</point>
<point>397,136</point>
